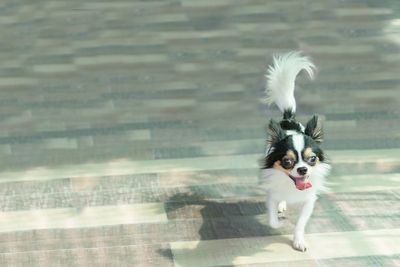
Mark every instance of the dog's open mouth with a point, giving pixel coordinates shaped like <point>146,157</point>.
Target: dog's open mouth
<point>301,182</point>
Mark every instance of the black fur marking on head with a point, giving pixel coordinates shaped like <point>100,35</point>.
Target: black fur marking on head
<point>314,129</point>
<point>289,121</point>
<point>288,114</point>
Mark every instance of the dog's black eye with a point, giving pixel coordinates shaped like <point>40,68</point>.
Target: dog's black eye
<point>311,160</point>
<point>287,162</point>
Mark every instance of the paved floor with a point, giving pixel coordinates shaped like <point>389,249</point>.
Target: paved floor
<point>131,130</point>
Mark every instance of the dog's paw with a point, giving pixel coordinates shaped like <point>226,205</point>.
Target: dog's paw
<point>300,244</point>
<point>277,223</point>
<point>282,206</point>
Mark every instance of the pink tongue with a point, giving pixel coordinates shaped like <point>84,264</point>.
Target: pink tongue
<point>301,184</point>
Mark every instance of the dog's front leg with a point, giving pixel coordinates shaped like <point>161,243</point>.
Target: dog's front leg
<point>274,221</point>
<point>298,240</point>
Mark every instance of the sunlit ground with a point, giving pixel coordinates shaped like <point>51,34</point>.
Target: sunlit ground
<point>131,132</point>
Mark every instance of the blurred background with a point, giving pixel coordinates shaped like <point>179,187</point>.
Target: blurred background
<point>131,131</point>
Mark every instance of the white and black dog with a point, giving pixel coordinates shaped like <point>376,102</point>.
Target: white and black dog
<point>295,167</point>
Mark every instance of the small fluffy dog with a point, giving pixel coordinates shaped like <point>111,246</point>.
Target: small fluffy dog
<point>295,167</point>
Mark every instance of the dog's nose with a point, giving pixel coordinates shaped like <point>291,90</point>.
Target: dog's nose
<point>302,170</point>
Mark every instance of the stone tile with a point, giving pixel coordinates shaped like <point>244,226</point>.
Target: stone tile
<point>365,182</point>
<point>83,217</point>
<point>85,141</point>
<point>117,59</point>
<point>17,81</point>
<point>139,135</point>
<point>373,260</point>
<point>176,152</point>
<point>54,126</point>
<point>5,150</point>
<point>38,187</point>
<point>87,195</point>
<point>115,182</point>
<point>61,143</point>
<point>278,248</point>
<point>55,68</point>
<point>301,263</point>
<point>99,256</point>
<point>342,12</point>
<point>101,236</point>
<point>185,178</point>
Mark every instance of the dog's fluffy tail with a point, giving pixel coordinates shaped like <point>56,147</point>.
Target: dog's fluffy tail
<point>281,77</point>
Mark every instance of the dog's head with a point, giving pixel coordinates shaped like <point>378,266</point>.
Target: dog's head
<point>296,153</point>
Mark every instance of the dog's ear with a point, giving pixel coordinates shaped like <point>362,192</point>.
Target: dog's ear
<point>314,129</point>
<point>275,132</point>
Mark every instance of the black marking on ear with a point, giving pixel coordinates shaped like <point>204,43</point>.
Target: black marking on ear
<point>314,129</point>
<point>275,132</point>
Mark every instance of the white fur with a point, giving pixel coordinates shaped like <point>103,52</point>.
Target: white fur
<point>281,77</point>
<point>298,142</point>
<point>282,206</point>
<point>281,189</point>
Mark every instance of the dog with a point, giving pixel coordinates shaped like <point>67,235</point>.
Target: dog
<point>294,168</point>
